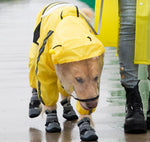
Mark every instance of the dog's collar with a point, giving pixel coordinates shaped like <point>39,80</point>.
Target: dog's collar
<point>86,100</point>
<point>82,100</point>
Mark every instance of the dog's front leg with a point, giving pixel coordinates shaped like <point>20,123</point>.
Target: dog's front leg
<point>50,108</point>
<point>52,123</point>
<point>87,133</point>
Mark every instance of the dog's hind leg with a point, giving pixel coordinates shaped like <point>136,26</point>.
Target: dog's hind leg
<point>34,104</point>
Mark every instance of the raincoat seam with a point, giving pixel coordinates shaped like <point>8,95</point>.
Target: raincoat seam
<point>55,3</point>
<point>61,17</point>
<point>91,27</point>
<point>41,50</point>
<point>57,46</point>
<point>77,10</point>
<point>39,88</point>
<point>37,34</point>
<point>37,29</point>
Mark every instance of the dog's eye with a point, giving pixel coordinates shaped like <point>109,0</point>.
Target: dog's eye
<point>96,79</point>
<point>79,80</point>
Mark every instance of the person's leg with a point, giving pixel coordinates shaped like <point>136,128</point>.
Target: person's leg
<point>134,121</point>
<point>149,72</point>
<point>128,70</point>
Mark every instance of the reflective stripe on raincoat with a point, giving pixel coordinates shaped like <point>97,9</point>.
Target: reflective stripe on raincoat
<point>64,37</point>
<point>110,27</point>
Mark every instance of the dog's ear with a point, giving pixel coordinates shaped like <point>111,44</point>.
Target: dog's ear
<point>88,12</point>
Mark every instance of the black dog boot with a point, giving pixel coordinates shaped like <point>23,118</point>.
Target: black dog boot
<point>68,112</point>
<point>52,124</point>
<point>34,105</point>
<point>134,121</point>
<point>87,133</point>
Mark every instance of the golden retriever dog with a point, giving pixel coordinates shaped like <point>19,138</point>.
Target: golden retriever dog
<point>66,59</point>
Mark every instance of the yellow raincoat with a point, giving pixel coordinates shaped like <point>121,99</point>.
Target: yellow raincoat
<point>61,35</point>
<point>110,27</point>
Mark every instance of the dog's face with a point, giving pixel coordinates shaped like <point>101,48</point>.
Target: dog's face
<point>82,77</point>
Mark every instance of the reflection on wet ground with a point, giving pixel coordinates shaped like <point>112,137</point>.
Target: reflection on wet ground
<point>16,27</point>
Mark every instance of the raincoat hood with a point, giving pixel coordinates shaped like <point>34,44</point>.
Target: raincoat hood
<point>73,40</point>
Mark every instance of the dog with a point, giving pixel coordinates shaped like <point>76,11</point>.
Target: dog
<point>65,57</point>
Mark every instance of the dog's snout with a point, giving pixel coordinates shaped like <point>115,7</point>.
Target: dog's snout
<point>91,104</point>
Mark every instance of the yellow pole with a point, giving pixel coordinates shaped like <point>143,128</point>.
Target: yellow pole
<point>109,22</point>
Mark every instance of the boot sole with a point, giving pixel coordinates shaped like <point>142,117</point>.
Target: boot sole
<point>53,130</point>
<point>70,118</point>
<point>90,136</point>
<point>135,128</point>
<point>34,112</point>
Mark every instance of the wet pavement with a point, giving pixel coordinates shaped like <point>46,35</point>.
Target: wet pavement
<point>16,29</point>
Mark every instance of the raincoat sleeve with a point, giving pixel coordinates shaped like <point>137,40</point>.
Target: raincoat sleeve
<point>142,42</point>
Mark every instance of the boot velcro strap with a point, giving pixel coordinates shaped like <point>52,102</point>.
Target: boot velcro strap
<point>68,108</point>
<point>50,111</point>
<point>34,91</point>
<point>65,101</point>
<point>135,107</point>
<point>51,117</point>
<point>34,98</point>
<point>85,127</point>
<point>85,119</point>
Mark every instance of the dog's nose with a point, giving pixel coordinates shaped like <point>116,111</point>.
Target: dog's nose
<point>91,104</point>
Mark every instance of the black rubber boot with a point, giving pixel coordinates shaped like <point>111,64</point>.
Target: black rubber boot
<point>52,124</point>
<point>87,133</point>
<point>148,111</point>
<point>134,121</point>
<point>34,105</point>
<point>148,114</point>
<point>68,112</point>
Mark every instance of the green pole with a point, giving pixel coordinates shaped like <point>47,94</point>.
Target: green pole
<point>90,3</point>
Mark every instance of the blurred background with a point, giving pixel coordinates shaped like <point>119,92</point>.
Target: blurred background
<point>17,18</point>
